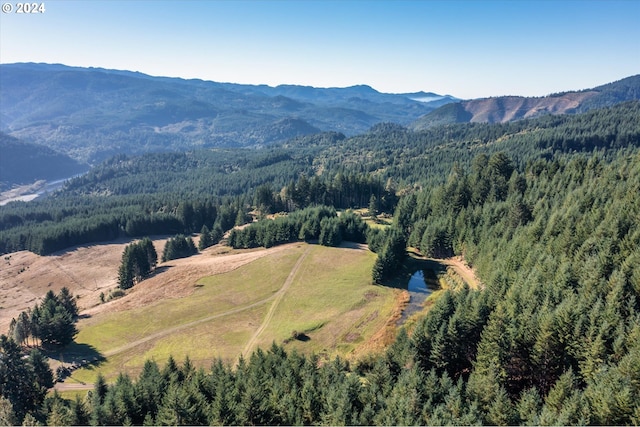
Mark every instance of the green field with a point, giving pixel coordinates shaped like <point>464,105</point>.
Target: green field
<point>328,297</point>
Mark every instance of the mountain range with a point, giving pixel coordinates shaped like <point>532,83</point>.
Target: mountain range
<point>89,114</point>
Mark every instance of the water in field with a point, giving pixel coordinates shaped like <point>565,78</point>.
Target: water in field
<point>421,284</point>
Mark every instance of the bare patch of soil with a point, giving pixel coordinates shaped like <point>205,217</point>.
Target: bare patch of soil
<point>86,270</point>
<point>463,270</point>
<point>352,337</point>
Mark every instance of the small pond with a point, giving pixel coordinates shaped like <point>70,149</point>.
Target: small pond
<point>419,288</point>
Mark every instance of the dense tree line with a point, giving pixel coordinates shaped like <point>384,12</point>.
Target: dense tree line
<point>138,261</point>
<point>391,255</point>
<point>165,193</point>
<point>554,335</point>
<point>24,381</point>
<point>179,246</point>
<point>320,223</point>
<point>271,388</point>
<point>342,191</point>
<point>210,237</point>
<point>52,322</point>
<point>52,225</point>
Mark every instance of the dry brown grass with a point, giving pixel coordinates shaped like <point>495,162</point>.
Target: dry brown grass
<point>380,340</point>
<point>86,270</point>
<point>90,270</point>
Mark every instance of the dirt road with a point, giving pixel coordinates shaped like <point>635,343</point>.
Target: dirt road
<point>248,348</point>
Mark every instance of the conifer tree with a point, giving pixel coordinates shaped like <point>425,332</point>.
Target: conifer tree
<point>138,260</point>
<point>68,301</point>
<point>206,239</point>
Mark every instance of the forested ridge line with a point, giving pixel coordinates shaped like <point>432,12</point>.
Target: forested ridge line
<point>155,193</point>
<point>425,157</point>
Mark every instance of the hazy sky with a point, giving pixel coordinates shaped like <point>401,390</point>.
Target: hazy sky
<point>468,49</point>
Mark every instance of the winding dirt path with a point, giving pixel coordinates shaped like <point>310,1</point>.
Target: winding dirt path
<point>278,297</point>
<point>65,386</point>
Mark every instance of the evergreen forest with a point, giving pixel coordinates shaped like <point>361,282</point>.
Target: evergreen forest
<point>546,211</point>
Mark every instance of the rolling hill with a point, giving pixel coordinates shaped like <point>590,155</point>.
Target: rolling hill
<point>508,108</point>
<point>234,301</point>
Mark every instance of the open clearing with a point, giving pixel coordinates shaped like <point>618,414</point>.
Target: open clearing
<point>221,305</point>
<point>90,270</point>
<point>86,270</point>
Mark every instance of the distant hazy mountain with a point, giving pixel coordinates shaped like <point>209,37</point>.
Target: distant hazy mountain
<point>507,108</point>
<point>92,113</point>
<point>24,163</point>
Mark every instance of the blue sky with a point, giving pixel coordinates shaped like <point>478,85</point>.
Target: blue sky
<point>469,49</point>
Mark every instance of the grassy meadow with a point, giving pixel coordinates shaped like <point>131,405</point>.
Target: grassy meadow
<point>329,301</point>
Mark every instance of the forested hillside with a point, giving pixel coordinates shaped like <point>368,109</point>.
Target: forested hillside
<point>421,158</point>
<point>546,210</point>
<point>25,163</point>
<point>158,193</point>
<point>552,339</point>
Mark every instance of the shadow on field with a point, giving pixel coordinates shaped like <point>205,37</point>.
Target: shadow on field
<point>77,355</point>
<point>72,357</point>
<point>158,270</point>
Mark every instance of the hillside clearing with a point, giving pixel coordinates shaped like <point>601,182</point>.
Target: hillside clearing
<point>218,304</point>
<point>89,270</point>
<point>261,297</point>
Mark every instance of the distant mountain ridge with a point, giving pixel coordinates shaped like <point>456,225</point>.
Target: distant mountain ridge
<point>93,113</point>
<point>508,108</point>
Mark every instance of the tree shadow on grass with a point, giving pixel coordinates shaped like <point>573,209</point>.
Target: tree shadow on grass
<point>77,355</point>
<point>303,337</point>
<point>74,356</point>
